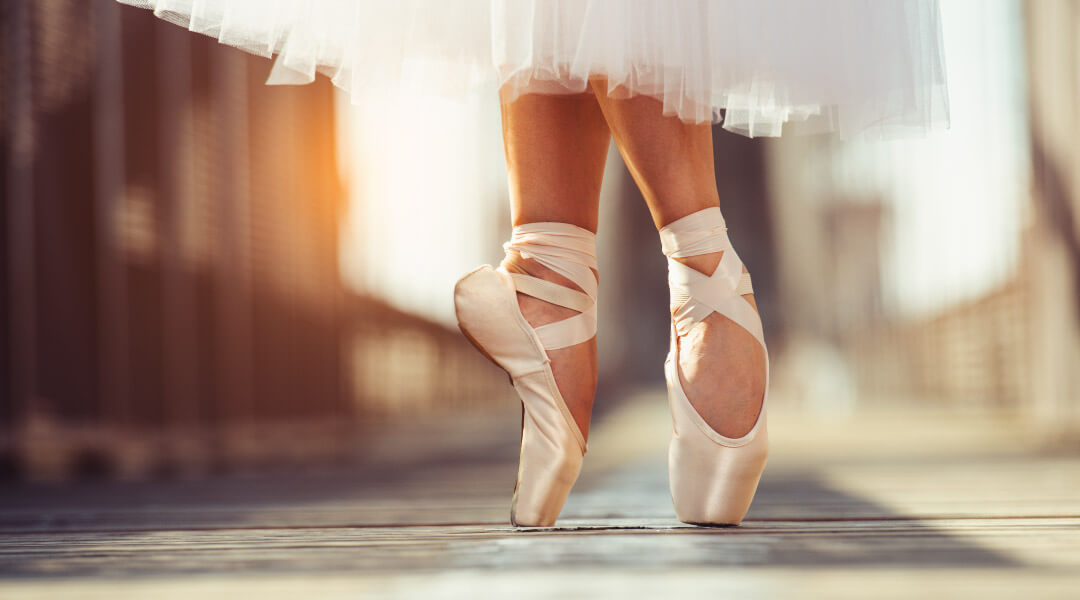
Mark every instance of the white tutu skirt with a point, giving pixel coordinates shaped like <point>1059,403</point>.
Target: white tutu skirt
<point>862,68</point>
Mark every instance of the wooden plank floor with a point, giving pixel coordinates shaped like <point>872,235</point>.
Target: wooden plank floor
<point>885,505</point>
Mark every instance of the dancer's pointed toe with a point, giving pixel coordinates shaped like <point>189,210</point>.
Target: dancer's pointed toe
<point>552,444</point>
<point>713,478</point>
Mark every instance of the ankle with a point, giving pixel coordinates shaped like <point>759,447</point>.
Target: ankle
<point>706,264</point>
<point>703,263</point>
<point>515,263</point>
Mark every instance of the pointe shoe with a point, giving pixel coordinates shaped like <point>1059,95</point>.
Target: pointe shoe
<point>552,446</point>
<point>713,478</point>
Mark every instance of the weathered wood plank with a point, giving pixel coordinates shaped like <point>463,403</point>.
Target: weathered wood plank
<point>826,519</point>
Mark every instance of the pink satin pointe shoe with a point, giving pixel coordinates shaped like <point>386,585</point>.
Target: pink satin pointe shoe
<point>713,478</point>
<point>552,446</point>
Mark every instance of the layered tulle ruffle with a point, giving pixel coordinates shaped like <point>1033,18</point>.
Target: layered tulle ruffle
<point>862,68</point>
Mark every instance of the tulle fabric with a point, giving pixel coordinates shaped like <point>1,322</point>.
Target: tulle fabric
<point>862,68</point>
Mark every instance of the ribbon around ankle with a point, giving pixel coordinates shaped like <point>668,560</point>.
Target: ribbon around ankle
<point>695,295</point>
<point>697,233</point>
<point>570,251</point>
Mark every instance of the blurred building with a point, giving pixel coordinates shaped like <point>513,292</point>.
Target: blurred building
<point>170,267</point>
<point>945,272</point>
<point>1053,242</point>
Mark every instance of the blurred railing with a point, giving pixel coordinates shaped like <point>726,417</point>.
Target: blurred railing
<point>170,272</point>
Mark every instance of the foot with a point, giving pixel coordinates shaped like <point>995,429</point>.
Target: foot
<point>574,367</point>
<point>721,365</point>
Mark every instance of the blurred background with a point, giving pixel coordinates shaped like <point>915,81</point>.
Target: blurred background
<point>201,274</point>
